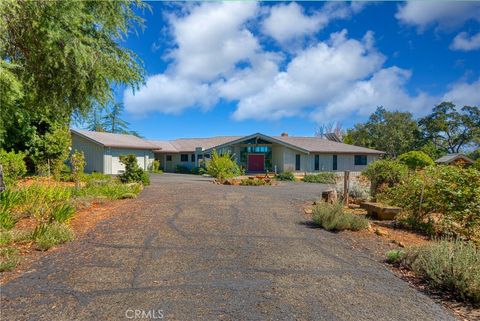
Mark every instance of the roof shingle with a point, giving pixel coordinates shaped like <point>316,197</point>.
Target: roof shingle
<point>115,140</point>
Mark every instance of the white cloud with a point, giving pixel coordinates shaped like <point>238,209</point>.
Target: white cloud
<point>464,93</point>
<point>465,42</point>
<point>444,14</point>
<point>287,22</point>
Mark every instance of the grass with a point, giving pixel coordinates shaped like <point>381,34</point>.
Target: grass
<point>332,217</point>
<point>253,182</point>
<point>8,259</point>
<point>286,176</point>
<point>49,235</point>
<point>321,178</point>
<point>109,189</point>
<point>395,256</point>
<point>14,236</point>
<point>448,265</point>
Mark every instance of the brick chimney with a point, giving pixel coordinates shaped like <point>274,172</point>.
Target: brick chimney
<point>284,134</point>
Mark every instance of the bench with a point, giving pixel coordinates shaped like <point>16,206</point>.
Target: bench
<point>381,211</point>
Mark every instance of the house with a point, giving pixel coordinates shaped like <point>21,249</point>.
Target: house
<point>102,150</point>
<point>256,152</point>
<point>455,159</point>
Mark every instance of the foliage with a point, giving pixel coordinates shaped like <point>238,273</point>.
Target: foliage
<point>222,166</point>
<point>415,160</point>
<point>112,121</point>
<point>8,200</point>
<point>62,213</point>
<point>14,236</point>
<point>59,59</point>
<point>49,235</point>
<point>476,164</point>
<point>384,173</point>
<point>253,182</point>
<point>395,256</point>
<point>448,265</point>
<point>181,169</point>
<point>286,176</point>
<point>448,196</point>
<point>155,167</point>
<point>322,178</point>
<point>77,160</point>
<point>8,259</point>
<point>13,166</point>
<point>51,149</point>
<point>133,173</point>
<point>451,129</point>
<point>393,132</point>
<point>110,189</point>
<point>332,218</point>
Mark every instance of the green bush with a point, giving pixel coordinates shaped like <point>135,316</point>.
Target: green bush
<point>449,191</point>
<point>476,165</point>
<point>133,173</point>
<point>222,167</point>
<point>183,169</point>
<point>62,213</point>
<point>77,160</point>
<point>14,236</point>
<point>448,265</point>
<point>385,173</point>
<point>8,200</point>
<point>13,166</point>
<point>48,235</point>
<point>286,176</point>
<point>109,189</point>
<point>332,218</point>
<point>8,259</point>
<point>395,256</point>
<point>416,160</point>
<point>155,167</point>
<point>252,182</point>
<point>322,178</point>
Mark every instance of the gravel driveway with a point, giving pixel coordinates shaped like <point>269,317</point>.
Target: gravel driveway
<point>188,249</point>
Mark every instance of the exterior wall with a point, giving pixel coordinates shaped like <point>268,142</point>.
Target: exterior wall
<point>94,153</point>
<point>114,166</point>
<point>170,166</point>
<point>277,157</point>
<point>345,162</point>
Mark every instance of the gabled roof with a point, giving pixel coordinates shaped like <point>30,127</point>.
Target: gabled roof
<point>447,159</point>
<point>319,145</point>
<point>115,140</point>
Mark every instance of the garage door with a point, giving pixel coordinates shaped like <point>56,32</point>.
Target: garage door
<point>118,167</point>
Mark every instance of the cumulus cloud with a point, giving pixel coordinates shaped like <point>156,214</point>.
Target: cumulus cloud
<point>463,41</point>
<point>286,22</point>
<point>443,14</point>
<point>216,57</point>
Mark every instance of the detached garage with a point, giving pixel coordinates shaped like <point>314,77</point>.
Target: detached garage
<point>102,150</point>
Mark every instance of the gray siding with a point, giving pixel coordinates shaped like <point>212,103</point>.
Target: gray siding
<point>94,159</point>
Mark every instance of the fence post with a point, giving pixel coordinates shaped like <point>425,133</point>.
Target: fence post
<point>346,183</point>
<point>2,185</point>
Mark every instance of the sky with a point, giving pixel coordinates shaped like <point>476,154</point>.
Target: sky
<point>237,68</point>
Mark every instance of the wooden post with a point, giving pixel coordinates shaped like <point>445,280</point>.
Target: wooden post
<point>346,183</point>
<point>2,185</point>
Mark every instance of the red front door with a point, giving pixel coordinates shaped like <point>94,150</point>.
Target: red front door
<point>256,163</point>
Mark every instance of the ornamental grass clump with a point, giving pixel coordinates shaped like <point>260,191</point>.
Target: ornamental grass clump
<point>321,178</point>
<point>286,176</point>
<point>332,217</point>
<point>222,166</point>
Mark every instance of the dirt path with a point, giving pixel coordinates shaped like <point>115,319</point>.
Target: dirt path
<point>188,249</point>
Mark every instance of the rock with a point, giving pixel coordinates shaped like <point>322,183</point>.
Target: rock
<point>308,210</point>
<point>353,206</point>
<point>380,232</point>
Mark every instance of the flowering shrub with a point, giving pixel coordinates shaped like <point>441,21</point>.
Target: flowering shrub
<point>416,159</point>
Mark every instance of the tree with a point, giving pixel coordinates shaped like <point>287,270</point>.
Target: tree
<point>452,130</point>
<point>416,159</point>
<point>327,128</point>
<point>112,121</point>
<point>60,58</point>
<point>94,119</point>
<point>393,132</point>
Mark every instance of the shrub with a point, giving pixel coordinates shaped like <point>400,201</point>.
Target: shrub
<point>322,178</point>
<point>332,218</point>
<point>183,169</point>
<point>133,173</point>
<point>110,189</point>
<point>13,166</point>
<point>416,160</point>
<point>8,259</point>
<point>252,182</point>
<point>14,236</point>
<point>48,235</point>
<point>451,193</point>
<point>8,200</point>
<point>394,256</point>
<point>77,159</point>
<point>476,165</point>
<point>385,173</point>
<point>448,265</point>
<point>62,213</point>
<point>222,166</point>
<point>155,166</point>
<point>286,176</point>
<point>197,170</point>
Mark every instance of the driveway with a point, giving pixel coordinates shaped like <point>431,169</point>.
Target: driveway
<point>188,249</point>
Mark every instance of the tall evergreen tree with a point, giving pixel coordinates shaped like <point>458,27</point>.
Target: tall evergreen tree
<point>112,121</point>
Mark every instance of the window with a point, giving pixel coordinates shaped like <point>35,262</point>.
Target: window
<point>334,162</point>
<point>297,162</point>
<point>193,158</point>
<point>184,157</point>
<point>200,156</point>
<point>360,160</point>
<point>317,162</point>
<point>169,158</point>
<point>207,155</point>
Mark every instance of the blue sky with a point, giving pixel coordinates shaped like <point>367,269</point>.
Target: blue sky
<point>241,67</point>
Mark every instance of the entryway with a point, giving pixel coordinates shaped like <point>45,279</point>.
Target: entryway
<point>256,162</point>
